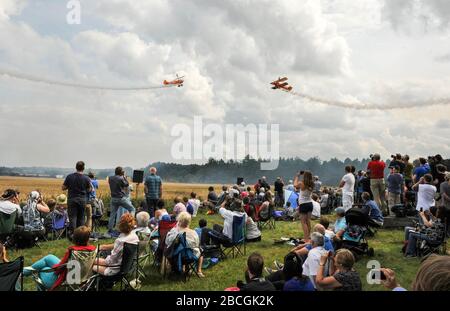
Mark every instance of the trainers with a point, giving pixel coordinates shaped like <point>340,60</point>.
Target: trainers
<point>278,265</point>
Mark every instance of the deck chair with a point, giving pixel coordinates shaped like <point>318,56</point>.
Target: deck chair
<point>10,274</point>
<point>182,258</point>
<point>238,241</point>
<point>144,252</point>
<point>59,225</point>
<point>83,261</point>
<point>265,217</point>
<point>7,226</point>
<point>163,228</point>
<point>128,270</point>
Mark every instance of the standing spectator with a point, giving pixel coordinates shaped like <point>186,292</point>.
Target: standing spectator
<point>290,186</point>
<point>279,192</point>
<point>348,185</point>
<point>264,183</point>
<point>421,170</point>
<point>118,185</point>
<point>317,185</point>
<point>439,176</point>
<point>91,200</point>
<point>397,161</point>
<point>395,184</point>
<point>359,186</point>
<point>445,201</point>
<point>78,186</point>
<point>425,193</point>
<point>305,205</point>
<point>409,168</point>
<point>153,190</point>
<point>376,173</point>
<point>365,184</point>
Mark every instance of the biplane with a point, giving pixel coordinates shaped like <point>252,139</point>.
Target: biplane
<point>178,81</point>
<point>281,84</point>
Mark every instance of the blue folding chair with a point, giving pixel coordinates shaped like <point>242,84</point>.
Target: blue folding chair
<point>237,245</point>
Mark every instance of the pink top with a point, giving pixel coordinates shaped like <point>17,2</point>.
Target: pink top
<point>178,208</point>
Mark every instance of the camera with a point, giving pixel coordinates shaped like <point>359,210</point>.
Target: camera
<point>376,272</point>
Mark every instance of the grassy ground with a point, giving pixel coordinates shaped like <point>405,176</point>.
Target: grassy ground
<point>387,245</point>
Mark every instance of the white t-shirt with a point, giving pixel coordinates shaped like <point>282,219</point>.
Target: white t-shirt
<point>9,207</point>
<point>252,229</point>
<point>312,263</point>
<point>349,185</point>
<point>316,209</point>
<point>425,197</point>
<point>195,203</point>
<point>228,221</point>
<point>324,200</point>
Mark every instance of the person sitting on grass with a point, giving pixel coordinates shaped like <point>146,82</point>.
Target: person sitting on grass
<point>202,223</point>
<point>303,249</point>
<point>325,222</point>
<point>343,276</point>
<point>111,265</point>
<point>433,275</point>
<point>253,276</point>
<point>192,239</point>
<point>316,207</point>
<point>312,262</point>
<point>179,206</point>
<point>371,209</point>
<point>51,280</point>
<point>295,281</point>
<point>194,203</point>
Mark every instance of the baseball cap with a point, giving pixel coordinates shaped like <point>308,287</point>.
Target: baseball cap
<point>340,210</point>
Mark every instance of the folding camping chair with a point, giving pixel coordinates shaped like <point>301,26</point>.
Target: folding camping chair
<point>10,273</point>
<point>97,214</point>
<point>59,225</point>
<point>182,259</point>
<point>7,226</point>
<point>128,269</point>
<point>163,228</point>
<point>265,218</point>
<point>79,274</point>
<point>144,252</point>
<point>238,240</point>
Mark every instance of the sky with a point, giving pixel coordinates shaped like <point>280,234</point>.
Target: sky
<point>392,52</point>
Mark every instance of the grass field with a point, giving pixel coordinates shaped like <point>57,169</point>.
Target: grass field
<point>387,245</point>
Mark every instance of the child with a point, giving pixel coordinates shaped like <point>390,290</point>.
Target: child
<point>288,211</point>
<point>193,203</point>
<point>202,223</point>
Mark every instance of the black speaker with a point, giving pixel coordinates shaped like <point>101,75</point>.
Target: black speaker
<point>239,181</point>
<point>138,176</point>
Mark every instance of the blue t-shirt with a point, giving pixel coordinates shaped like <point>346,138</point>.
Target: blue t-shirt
<point>199,232</point>
<point>93,193</point>
<point>421,171</point>
<point>340,224</point>
<point>375,212</point>
<point>395,182</point>
<point>153,183</point>
<point>328,245</point>
<point>299,285</point>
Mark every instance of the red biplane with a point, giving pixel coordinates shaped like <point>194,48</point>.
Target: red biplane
<point>178,81</point>
<point>281,84</point>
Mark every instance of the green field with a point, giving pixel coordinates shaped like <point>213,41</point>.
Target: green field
<point>387,245</point>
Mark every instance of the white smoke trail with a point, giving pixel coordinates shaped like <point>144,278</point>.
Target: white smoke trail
<point>372,106</point>
<point>76,85</point>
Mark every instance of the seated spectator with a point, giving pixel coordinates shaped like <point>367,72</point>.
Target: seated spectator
<point>212,196</point>
<point>253,276</point>
<point>202,223</point>
<point>340,224</point>
<point>224,235</point>
<point>426,192</point>
<point>179,206</point>
<point>143,230</point>
<point>324,199</point>
<point>412,235</point>
<point>194,203</point>
<point>111,265</point>
<point>343,276</point>
<point>52,280</point>
<point>9,202</point>
<point>316,207</point>
<point>371,208</point>
<point>312,262</point>
<point>32,218</point>
<point>192,239</point>
<point>326,223</point>
<point>433,275</point>
<point>303,249</point>
<point>252,233</point>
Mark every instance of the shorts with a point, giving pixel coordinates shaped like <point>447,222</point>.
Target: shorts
<point>305,208</point>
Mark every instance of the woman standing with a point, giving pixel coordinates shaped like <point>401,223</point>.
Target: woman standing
<point>305,205</point>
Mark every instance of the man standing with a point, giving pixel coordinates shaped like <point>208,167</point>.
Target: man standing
<point>421,170</point>
<point>395,184</point>
<point>153,190</point>
<point>78,186</point>
<point>279,192</point>
<point>409,167</point>
<point>376,173</point>
<point>348,185</point>
<point>118,185</point>
<point>317,185</point>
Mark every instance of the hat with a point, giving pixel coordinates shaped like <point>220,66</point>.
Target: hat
<point>61,199</point>
<point>340,210</point>
<point>9,194</point>
<point>165,217</point>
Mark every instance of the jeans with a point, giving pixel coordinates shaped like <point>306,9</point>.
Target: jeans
<point>152,206</point>
<point>412,242</point>
<point>378,187</point>
<point>76,209</point>
<point>116,203</point>
<point>43,264</point>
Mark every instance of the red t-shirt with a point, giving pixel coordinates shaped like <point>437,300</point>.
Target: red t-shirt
<point>376,169</point>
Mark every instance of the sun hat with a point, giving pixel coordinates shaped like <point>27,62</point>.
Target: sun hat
<point>61,199</point>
